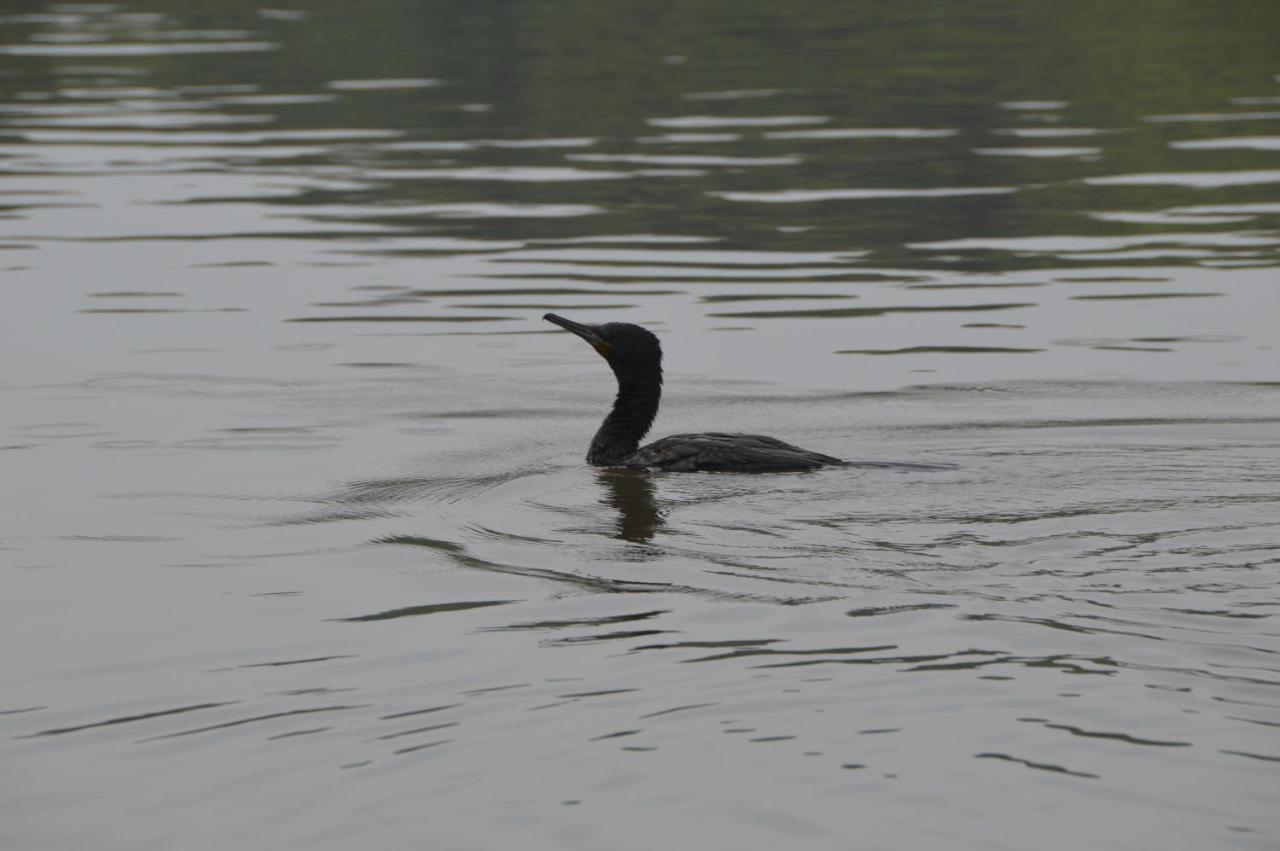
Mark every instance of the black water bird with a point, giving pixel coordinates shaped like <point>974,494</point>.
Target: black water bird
<point>635,356</point>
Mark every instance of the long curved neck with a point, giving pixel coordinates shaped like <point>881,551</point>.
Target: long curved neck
<point>633,411</point>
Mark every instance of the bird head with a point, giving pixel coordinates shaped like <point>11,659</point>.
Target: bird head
<point>628,348</point>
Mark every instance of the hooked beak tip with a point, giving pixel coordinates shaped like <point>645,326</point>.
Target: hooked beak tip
<point>567,324</point>
<point>586,332</point>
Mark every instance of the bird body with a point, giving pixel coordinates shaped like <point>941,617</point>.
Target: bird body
<point>635,356</point>
<point>715,451</point>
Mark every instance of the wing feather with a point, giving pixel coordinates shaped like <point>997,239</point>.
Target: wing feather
<point>721,451</point>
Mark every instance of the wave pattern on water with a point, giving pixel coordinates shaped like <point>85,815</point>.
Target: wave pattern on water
<point>296,478</point>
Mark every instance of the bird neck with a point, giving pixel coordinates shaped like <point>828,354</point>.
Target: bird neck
<point>633,411</point>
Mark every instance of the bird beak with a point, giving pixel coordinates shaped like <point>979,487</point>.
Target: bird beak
<point>586,332</point>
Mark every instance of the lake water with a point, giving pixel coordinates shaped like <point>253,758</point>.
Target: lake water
<point>298,546</point>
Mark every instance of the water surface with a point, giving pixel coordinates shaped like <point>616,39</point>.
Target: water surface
<point>299,547</point>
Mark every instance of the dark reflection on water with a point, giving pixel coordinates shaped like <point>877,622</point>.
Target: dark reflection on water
<point>284,437</point>
<point>850,121</point>
<point>632,495</point>
<point>431,609</point>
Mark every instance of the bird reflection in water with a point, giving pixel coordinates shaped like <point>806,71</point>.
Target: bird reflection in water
<point>631,493</point>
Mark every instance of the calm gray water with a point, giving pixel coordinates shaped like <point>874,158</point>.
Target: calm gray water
<point>298,547</point>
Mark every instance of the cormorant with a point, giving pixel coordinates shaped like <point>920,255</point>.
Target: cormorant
<point>635,356</point>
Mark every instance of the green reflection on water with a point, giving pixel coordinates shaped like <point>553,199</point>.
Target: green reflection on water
<point>976,76</point>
